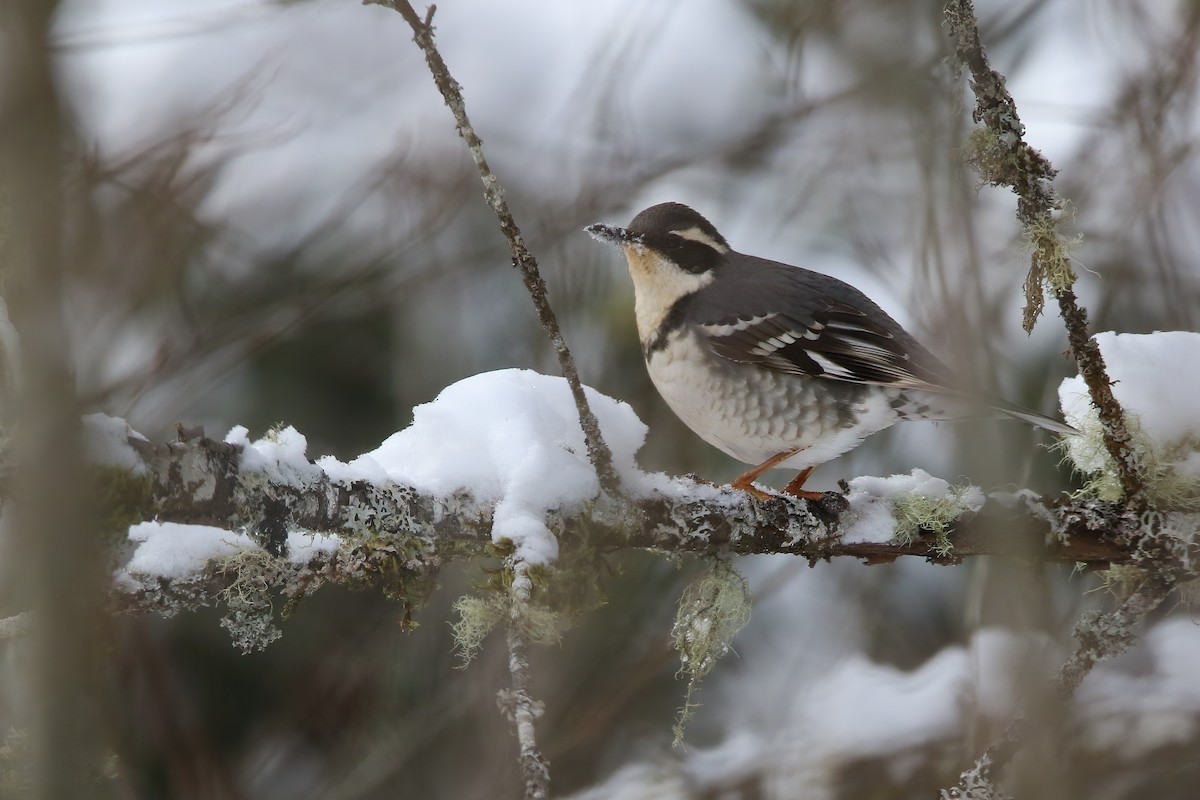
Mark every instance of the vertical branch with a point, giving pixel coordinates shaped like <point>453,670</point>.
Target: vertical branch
<point>517,703</point>
<point>1004,158</point>
<point>53,532</point>
<point>523,259</point>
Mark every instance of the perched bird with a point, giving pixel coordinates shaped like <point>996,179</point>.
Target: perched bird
<point>776,365</point>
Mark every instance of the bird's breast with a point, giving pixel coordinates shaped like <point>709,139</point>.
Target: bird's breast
<point>752,413</point>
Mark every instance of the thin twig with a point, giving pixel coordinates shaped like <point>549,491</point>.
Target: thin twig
<point>523,259</point>
<point>517,703</point>
<point>1009,161</point>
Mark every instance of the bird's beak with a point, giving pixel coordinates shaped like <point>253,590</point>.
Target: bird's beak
<point>611,234</point>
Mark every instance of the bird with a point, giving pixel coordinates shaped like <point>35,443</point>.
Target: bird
<point>774,364</point>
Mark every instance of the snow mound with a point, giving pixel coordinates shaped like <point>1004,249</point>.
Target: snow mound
<point>173,550</point>
<point>1156,379</point>
<point>106,442</point>
<point>279,456</point>
<point>511,437</point>
<point>882,509</point>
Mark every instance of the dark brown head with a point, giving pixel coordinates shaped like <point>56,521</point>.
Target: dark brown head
<point>673,231</point>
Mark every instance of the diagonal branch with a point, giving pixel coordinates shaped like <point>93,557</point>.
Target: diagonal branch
<point>523,259</point>
<point>1004,158</point>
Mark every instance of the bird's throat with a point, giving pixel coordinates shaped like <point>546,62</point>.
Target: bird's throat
<point>658,284</point>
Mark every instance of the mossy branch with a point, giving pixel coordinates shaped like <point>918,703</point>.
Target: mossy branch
<point>201,481</point>
<point>999,152</point>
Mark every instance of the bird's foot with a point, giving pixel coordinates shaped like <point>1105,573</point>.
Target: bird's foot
<point>750,489</point>
<point>796,484</point>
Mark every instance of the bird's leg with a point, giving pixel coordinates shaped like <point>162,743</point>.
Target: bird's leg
<point>746,480</point>
<point>796,484</point>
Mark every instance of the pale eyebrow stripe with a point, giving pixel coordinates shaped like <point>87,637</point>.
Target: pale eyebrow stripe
<point>696,235</point>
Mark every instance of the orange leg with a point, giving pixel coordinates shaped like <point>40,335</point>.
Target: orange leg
<point>746,479</point>
<point>795,486</point>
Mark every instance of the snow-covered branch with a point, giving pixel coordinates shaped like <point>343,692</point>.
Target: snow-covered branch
<point>397,514</point>
<point>202,481</point>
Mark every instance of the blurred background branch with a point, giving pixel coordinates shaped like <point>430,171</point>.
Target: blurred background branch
<point>1007,160</point>
<point>50,527</point>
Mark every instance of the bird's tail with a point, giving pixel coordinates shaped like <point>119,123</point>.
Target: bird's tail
<point>1034,418</point>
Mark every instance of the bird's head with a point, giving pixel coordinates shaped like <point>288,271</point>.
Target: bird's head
<point>670,233</point>
<point>672,252</point>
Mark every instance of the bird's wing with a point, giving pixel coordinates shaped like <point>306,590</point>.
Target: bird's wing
<point>801,322</point>
<point>835,340</point>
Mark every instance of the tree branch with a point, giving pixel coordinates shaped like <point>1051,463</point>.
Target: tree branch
<point>49,529</point>
<point>201,481</point>
<point>523,259</point>
<point>517,702</point>
<point>1004,158</point>
<point>1100,636</point>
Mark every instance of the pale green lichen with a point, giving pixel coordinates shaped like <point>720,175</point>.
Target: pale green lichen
<point>1167,486</point>
<point>1050,264</point>
<point>915,512</point>
<point>1052,250</point>
<point>975,784</point>
<point>250,618</point>
<point>387,511</point>
<point>990,156</point>
<point>539,600</point>
<point>1102,635</point>
<point>712,609</point>
<point>1120,580</point>
<point>251,625</point>
<point>477,617</point>
<point>540,620</point>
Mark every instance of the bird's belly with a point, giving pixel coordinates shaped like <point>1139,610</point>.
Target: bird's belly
<point>753,414</point>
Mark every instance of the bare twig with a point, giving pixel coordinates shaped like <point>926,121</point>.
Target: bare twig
<point>523,259</point>
<point>517,703</point>
<point>1005,159</point>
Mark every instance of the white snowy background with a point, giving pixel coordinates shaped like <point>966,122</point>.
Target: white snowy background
<point>314,250</point>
